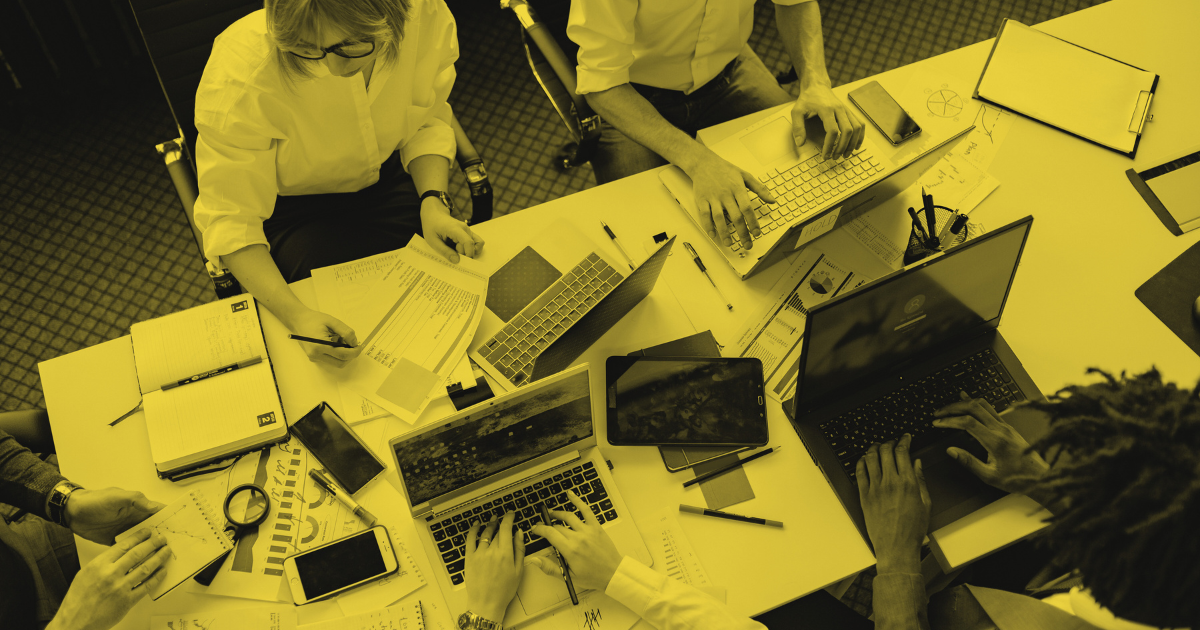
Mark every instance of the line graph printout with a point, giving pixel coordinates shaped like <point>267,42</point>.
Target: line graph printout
<point>433,309</point>
<point>195,535</point>
<point>274,617</point>
<point>773,335</point>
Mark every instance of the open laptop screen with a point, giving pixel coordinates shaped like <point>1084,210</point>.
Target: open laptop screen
<point>535,421</point>
<point>907,315</point>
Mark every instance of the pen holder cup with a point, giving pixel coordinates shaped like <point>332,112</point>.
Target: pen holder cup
<point>917,249</point>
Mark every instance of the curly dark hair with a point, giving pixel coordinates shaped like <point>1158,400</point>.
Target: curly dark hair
<point>1125,463</point>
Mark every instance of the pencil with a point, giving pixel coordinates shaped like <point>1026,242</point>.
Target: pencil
<point>324,342</point>
<point>709,475</point>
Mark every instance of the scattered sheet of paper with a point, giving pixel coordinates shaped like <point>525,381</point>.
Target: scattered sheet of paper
<point>596,611</point>
<point>261,618</point>
<point>194,533</point>
<point>180,345</point>
<point>382,500</point>
<point>942,105</point>
<point>407,616</point>
<point>773,334</point>
<point>434,309</point>
<point>991,128</point>
<point>957,183</point>
<point>672,552</point>
<point>884,232</point>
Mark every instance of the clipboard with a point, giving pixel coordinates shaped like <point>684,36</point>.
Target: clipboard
<point>1040,104</point>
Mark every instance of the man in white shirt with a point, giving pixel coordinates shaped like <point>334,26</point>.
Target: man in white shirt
<point>324,137</point>
<point>660,70</point>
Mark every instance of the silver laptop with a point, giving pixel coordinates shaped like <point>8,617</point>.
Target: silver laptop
<point>510,454</point>
<point>813,195</point>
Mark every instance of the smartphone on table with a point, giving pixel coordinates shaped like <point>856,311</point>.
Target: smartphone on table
<point>338,448</point>
<point>885,113</point>
<point>340,565</point>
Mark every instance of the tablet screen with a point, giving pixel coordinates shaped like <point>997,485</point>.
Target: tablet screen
<point>682,401</point>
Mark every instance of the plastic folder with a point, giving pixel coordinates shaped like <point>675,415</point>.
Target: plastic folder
<point>1069,87</point>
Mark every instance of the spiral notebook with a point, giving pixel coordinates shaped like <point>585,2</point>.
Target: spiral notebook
<point>406,616</point>
<point>195,534</point>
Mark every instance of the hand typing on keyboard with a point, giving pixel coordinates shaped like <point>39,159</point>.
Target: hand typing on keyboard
<point>895,505</point>
<point>720,192</point>
<point>588,550</point>
<point>1011,466</point>
<point>495,559</point>
<point>844,130</point>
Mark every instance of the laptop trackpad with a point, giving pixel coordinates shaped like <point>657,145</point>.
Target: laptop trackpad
<point>954,491</point>
<point>539,591</point>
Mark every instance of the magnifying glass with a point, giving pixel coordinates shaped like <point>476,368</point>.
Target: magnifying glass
<point>246,507</point>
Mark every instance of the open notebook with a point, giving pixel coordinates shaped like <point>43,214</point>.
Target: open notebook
<point>215,417</point>
<point>1064,85</point>
<point>195,535</point>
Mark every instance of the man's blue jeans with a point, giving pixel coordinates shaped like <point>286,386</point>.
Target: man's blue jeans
<point>745,86</point>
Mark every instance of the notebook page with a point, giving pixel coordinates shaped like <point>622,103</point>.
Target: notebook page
<point>194,533</point>
<point>1064,85</point>
<point>195,420</point>
<point>179,345</point>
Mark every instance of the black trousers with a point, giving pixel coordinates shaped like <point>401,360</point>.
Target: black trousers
<point>307,232</point>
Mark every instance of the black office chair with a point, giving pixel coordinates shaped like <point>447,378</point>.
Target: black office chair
<point>550,54</point>
<point>179,35</point>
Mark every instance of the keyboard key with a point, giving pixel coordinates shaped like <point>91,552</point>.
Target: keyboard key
<point>609,515</point>
<point>457,566</point>
<point>450,556</point>
<point>606,504</point>
<point>456,579</point>
<point>459,540</point>
<point>590,474</point>
<point>439,535</point>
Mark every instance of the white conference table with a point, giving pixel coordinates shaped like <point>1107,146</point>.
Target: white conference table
<point>1093,242</point>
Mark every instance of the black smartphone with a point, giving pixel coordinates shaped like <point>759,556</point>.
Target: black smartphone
<point>885,113</point>
<point>338,448</point>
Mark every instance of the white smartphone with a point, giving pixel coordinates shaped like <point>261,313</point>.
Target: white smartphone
<point>337,566</point>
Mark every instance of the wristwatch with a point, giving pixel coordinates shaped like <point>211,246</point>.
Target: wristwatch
<point>441,195</point>
<point>471,621</point>
<point>56,507</point>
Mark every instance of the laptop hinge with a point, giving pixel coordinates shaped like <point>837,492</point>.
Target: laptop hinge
<point>490,491</point>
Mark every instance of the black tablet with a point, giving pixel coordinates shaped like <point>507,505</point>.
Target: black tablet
<point>682,401</point>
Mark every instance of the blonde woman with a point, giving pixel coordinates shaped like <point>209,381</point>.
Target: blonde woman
<point>324,137</point>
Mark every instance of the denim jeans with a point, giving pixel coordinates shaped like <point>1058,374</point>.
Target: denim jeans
<point>743,87</point>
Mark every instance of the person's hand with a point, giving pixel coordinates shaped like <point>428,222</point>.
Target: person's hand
<point>895,504</point>
<point>318,325</point>
<point>107,587</point>
<point>494,563</point>
<point>844,130</point>
<point>99,515</point>
<point>1011,466</point>
<point>719,189</point>
<point>591,555</point>
<point>437,225</point>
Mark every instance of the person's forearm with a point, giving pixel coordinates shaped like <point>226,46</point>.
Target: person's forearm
<point>256,271</point>
<point>625,109</point>
<point>430,172</point>
<point>800,29</point>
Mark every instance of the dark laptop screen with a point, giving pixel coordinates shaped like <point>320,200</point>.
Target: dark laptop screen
<point>513,432</point>
<point>908,314</point>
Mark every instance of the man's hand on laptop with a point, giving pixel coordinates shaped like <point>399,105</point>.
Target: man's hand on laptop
<point>1011,466</point>
<point>495,558</point>
<point>844,130</point>
<point>895,505</point>
<point>720,191</point>
<point>589,552</point>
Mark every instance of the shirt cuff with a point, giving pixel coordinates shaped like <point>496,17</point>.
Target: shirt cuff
<point>635,585</point>
<point>227,234</point>
<point>589,81</point>
<point>435,138</point>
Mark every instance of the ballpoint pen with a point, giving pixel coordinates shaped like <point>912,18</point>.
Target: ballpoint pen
<point>612,236</point>
<point>724,469</point>
<point>339,494</point>
<point>324,342</point>
<point>931,218</point>
<point>727,515</point>
<point>699,263</point>
<point>566,570</point>
<point>221,370</point>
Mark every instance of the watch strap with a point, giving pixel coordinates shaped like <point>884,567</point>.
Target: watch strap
<point>56,507</point>
<point>440,194</point>
<point>472,621</point>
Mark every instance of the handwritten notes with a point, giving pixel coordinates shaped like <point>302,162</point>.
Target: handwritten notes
<point>262,618</point>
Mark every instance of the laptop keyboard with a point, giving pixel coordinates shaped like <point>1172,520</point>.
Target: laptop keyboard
<point>514,349</point>
<point>807,186</point>
<point>450,533</point>
<point>910,408</point>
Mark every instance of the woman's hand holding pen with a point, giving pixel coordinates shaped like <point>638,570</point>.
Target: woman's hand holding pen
<point>585,546</point>
<point>312,323</point>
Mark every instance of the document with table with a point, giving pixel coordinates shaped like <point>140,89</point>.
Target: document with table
<point>432,309</point>
<point>207,384</point>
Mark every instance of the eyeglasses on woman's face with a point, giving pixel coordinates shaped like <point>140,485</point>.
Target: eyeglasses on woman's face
<point>347,50</point>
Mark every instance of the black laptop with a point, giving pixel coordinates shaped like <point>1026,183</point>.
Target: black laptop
<point>879,360</point>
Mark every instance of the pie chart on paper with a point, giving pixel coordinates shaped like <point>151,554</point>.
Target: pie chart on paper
<point>945,104</point>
